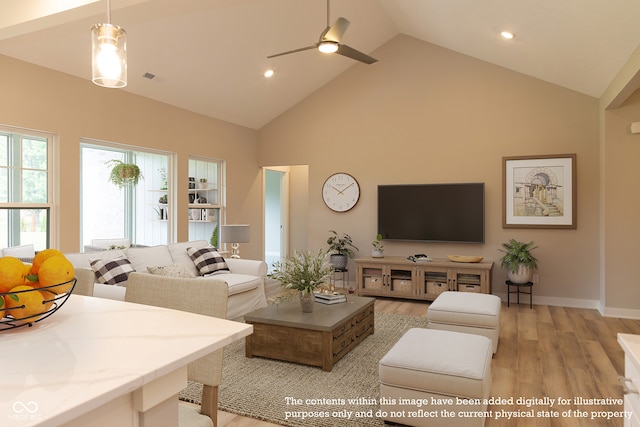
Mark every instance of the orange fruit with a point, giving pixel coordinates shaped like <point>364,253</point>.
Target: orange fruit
<point>41,257</point>
<point>48,299</point>
<point>54,271</point>
<point>23,305</point>
<point>12,272</point>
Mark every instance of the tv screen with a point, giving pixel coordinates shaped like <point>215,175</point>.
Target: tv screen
<point>432,212</point>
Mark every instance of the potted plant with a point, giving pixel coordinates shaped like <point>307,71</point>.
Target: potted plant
<point>304,272</point>
<point>214,237</point>
<point>341,248</point>
<point>518,260</point>
<point>124,174</point>
<point>203,183</point>
<point>378,247</point>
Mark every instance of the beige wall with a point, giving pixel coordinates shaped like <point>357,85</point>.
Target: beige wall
<point>622,208</point>
<point>72,108</point>
<point>424,114</point>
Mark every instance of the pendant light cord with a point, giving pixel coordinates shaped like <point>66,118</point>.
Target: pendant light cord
<point>108,12</point>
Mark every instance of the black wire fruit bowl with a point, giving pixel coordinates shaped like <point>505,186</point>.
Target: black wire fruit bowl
<point>14,313</point>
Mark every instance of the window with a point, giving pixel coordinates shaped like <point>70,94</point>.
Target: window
<point>26,199</point>
<point>142,213</point>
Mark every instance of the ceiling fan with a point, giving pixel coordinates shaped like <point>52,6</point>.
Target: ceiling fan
<point>329,42</point>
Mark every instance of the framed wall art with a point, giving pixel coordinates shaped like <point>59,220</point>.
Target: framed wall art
<point>539,191</point>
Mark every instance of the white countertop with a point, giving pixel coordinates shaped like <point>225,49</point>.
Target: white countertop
<point>93,350</point>
<point>630,343</point>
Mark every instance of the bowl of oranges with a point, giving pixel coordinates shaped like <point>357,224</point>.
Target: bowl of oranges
<point>32,292</point>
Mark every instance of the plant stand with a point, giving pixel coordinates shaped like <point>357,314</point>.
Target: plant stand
<point>518,291</point>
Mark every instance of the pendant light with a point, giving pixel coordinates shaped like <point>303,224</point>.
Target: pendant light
<point>109,54</point>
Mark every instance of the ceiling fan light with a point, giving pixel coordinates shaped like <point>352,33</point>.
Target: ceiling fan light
<point>328,47</point>
<point>108,56</point>
<point>507,35</point>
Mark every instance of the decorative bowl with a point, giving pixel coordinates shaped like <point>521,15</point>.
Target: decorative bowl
<point>465,258</point>
<point>7,321</point>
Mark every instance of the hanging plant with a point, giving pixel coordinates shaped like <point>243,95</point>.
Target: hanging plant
<point>124,174</point>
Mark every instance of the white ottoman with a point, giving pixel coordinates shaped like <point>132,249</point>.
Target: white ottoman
<point>467,312</point>
<point>429,371</point>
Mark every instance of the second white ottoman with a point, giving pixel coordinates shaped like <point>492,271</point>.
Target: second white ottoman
<point>428,372</point>
<point>467,312</point>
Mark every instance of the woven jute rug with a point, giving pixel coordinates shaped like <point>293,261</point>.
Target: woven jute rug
<point>296,395</point>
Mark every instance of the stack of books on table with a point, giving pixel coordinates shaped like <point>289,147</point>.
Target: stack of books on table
<point>333,298</point>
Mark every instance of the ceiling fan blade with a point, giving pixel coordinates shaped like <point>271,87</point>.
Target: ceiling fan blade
<point>350,52</point>
<point>294,51</point>
<point>337,30</point>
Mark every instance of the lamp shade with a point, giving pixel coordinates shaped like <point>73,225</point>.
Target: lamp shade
<point>237,233</point>
<point>109,55</point>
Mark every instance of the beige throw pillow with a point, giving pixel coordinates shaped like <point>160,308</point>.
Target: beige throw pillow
<point>172,270</point>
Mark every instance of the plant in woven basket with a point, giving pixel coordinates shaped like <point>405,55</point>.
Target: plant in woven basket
<point>303,271</point>
<point>124,174</point>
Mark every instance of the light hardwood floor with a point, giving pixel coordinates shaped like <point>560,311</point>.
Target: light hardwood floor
<point>544,351</point>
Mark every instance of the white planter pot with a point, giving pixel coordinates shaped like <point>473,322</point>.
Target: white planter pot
<point>377,253</point>
<point>523,275</point>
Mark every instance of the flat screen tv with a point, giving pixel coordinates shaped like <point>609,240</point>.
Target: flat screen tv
<point>432,212</point>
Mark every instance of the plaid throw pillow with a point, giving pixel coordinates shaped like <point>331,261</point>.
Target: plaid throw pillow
<point>208,261</point>
<point>112,271</point>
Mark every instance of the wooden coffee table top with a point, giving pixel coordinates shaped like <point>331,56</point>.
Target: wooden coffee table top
<point>325,317</point>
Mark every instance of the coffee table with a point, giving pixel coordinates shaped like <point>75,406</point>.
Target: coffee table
<point>321,338</point>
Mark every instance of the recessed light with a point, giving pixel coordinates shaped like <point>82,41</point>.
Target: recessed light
<point>507,35</point>
<point>268,73</point>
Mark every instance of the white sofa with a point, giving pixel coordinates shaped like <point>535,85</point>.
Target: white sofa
<point>245,279</point>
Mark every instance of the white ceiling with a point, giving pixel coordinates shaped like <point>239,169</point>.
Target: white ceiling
<point>209,55</point>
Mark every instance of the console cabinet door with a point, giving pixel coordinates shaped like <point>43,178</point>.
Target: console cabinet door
<point>469,280</point>
<point>370,279</point>
<point>434,281</point>
<point>401,281</point>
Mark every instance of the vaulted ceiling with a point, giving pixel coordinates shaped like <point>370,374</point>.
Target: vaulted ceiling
<point>209,56</point>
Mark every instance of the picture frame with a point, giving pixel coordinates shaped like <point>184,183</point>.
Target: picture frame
<point>539,191</point>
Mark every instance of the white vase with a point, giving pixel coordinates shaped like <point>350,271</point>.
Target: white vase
<point>523,275</point>
<point>377,253</point>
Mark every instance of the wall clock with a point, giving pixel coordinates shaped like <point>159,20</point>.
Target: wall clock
<point>340,192</point>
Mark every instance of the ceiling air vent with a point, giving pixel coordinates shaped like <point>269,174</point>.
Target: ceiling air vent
<point>149,76</point>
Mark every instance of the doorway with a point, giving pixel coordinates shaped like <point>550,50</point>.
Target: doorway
<point>276,189</point>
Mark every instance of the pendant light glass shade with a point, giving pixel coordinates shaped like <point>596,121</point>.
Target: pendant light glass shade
<point>109,55</point>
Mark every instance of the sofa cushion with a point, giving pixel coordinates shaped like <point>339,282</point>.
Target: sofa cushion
<point>172,270</point>
<point>83,260</point>
<point>112,271</point>
<point>208,261</point>
<point>24,251</point>
<point>179,255</point>
<point>142,257</point>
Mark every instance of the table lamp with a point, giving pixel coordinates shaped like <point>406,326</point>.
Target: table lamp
<point>234,234</point>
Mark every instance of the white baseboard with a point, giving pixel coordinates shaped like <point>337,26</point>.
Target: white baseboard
<point>623,313</point>
<point>555,301</point>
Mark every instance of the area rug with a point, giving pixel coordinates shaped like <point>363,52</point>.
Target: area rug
<point>296,395</point>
